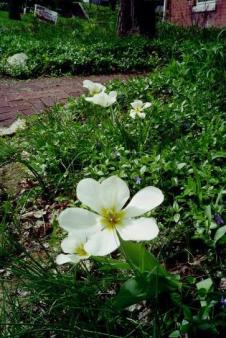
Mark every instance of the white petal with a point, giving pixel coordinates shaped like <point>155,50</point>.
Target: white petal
<point>99,88</point>
<point>102,243</point>
<point>113,94</point>
<point>93,87</point>
<point>137,104</point>
<point>144,201</point>
<point>90,99</point>
<point>114,193</point>
<point>62,259</point>
<point>70,243</point>
<point>141,115</point>
<point>147,105</point>
<point>133,114</point>
<point>88,192</point>
<point>142,229</point>
<point>110,98</point>
<point>77,219</point>
<point>88,84</point>
<point>99,99</point>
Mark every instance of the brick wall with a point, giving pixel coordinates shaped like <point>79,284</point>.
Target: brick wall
<point>180,13</point>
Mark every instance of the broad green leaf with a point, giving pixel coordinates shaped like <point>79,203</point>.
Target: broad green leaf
<point>175,334</point>
<point>219,233</point>
<point>137,289</point>
<point>130,293</point>
<point>205,284</point>
<point>143,262</point>
<point>140,259</point>
<point>145,287</point>
<point>151,278</point>
<point>187,312</point>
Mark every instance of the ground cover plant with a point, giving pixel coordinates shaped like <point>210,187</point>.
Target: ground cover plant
<point>76,46</point>
<point>73,46</point>
<point>173,140</point>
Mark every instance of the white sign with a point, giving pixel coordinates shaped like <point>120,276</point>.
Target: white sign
<point>46,14</point>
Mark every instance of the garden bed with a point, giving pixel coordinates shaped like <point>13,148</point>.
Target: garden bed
<point>175,143</point>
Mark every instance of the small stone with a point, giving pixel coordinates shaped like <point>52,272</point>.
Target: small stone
<point>17,60</point>
<point>17,125</point>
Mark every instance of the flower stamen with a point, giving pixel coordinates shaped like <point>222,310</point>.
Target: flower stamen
<point>80,251</point>
<point>111,218</point>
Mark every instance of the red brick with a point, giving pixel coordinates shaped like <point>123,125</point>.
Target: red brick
<point>48,101</point>
<point>7,116</point>
<point>4,110</point>
<point>33,96</point>
<point>15,103</point>
<point>37,105</point>
<point>3,102</point>
<point>8,122</point>
<point>62,101</point>
<point>180,13</point>
<point>26,112</point>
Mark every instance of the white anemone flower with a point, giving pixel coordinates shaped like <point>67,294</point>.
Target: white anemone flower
<point>73,246</point>
<point>138,109</point>
<point>93,87</point>
<point>109,219</point>
<point>103,99</point>
<point>17,60</point>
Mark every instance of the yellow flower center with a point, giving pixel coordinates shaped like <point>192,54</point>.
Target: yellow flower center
<point>80,251</point>
<point>94,92</point>
<point>138,110</point>
<point>111,218</point>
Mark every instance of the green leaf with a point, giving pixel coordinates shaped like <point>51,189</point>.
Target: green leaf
<point>175,334</point>
<point>151,278</point>
<point>140,259</point>
<point>205,284</point>
<point>219,154</point>
<point>130,293</point>
<point>143,261</point>
<point>187,312</point>
<point>140,288</point>
<point>219,233</point>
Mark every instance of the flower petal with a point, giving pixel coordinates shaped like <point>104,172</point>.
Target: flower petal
<point>141,115</point>
<point>102,99</point>
<point>147,105</point>
<point>142,229</point>
<point>90,99</point>
<point>114,193</point>
<point>99,99</point>
<point>113,94</point>
<point>77,219</point>
<point>88,191</point>
<point>133,114</point>
<point>93,87</point>
<point>70,243</point>
<point>144,201</point>
<point>137,104</point>
<point>102,243</point>
<point>62,259</point>
<point>88,84</point>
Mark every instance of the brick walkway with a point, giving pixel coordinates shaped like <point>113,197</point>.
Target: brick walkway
<point>33,96</point>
